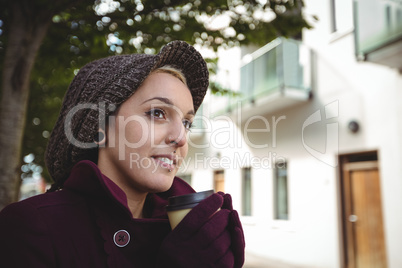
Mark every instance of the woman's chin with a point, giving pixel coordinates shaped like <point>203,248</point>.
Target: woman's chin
<point>162,184</point>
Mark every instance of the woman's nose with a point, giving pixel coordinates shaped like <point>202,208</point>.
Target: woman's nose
<point>177,135</point>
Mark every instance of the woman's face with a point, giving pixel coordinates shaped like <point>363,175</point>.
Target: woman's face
<point>146,140</point>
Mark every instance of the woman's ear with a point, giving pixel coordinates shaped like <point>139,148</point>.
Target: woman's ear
<point>100,138</point>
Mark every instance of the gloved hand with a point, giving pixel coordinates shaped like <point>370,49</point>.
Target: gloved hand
<point>236,230</point>
<point>206,237</point>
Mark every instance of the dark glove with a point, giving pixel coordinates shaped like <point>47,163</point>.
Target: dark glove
<point>236,231</point>
<point>204,237</point>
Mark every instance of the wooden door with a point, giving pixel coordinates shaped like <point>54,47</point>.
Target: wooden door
<point>219,181</point>
<point>364,232</point>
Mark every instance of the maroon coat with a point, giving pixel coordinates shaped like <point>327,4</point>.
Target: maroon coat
<point>84,225</point>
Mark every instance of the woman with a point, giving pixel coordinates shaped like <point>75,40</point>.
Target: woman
<point>113,154</point>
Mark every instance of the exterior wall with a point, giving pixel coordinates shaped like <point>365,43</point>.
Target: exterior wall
<point>343,90</point>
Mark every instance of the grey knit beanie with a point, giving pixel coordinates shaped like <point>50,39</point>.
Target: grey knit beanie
<point>102,86</point>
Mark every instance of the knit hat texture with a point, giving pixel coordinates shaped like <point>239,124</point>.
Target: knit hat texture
<point>99,88</point>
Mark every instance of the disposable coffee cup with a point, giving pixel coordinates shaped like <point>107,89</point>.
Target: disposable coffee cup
<point>179,206</point>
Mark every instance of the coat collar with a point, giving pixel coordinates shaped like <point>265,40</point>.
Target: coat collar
<point>87,179</point>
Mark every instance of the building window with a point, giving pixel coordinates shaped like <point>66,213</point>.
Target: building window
<point>246,191</point>
<point>341,15</point>
<point>219,181</point>
<point>388,17</point>
<point>198,123</point>
<point>333,16</point>
<point>281,190</point>
<point>186,178</point>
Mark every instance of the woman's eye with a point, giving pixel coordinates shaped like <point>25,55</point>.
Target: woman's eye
<point>187,124</point>
<point>157,113</point>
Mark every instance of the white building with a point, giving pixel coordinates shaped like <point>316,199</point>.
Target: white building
<point>311,152</point>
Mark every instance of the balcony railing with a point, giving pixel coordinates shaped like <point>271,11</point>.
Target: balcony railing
<point>280,69</point>
<point>378,28</point>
